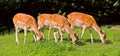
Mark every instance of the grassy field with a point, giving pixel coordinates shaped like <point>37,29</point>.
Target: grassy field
<point>8,47</point>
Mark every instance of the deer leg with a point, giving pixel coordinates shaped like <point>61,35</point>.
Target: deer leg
<point>61,34</point>
<point>41,28</point>
<point>83,31</point>
<point>56,36</point>
<point>35,39</point>
<point>49,32</point>
<point>16,32</point>
<point>91,36</point>
<point>25,34</point>
<point>40,25</point>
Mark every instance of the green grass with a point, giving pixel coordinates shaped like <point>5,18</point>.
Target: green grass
<point>8,47</point>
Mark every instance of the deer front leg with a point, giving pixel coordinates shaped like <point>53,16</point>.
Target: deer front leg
<point>16,32</point>
<point>91,36</point>
<point>35,39</point>
<point>40,27</point>
<point>25,34</point>
<point>83,31</point>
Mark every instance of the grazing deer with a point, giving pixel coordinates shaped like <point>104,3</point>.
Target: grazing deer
<point>26,22</point>
<point>85,21</point>
<point>44,19</point>
<point>56,21</point>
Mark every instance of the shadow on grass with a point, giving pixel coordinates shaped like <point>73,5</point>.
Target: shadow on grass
<point>108,42</point>
<point>98,41</point>
<point>79,43</point>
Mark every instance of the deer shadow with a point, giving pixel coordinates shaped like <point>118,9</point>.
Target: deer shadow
<point>99,41</point>
<point>79,43</point>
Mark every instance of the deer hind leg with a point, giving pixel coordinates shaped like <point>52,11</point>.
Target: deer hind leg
<point>61,34</point>
<point>25,34</point>
<point>56,36</point>
<point>91,36</point>
<point>16,32</point>
<point>49,32</point>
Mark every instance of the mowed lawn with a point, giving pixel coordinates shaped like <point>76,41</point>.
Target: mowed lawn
<point>8,47</point>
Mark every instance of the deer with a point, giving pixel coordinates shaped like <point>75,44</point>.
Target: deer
<point>44,20</point>
<point>57,21</point>
<point>85,21</point>
<point>26,22</point>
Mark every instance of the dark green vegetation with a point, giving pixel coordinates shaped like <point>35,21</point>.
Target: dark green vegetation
<point>8,47</point>
<point>104,11</point>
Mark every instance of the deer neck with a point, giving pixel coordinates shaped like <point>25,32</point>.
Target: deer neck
<point>69,30</point>
<point>72,34</point>
<point>101,33</point>
<point>37,33</point>
<point>71,22</point>
<point>96,28</point>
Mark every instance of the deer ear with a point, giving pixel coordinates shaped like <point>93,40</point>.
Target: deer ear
<point>101,31</point>
<point>76,35</point>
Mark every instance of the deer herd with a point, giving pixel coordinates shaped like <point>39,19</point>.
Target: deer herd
<point>27,22</point>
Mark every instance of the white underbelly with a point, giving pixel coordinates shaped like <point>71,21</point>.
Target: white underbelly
<point>56,27</point>
<point>46,22</point>
<point>79,23</point>
<point>22,28</point>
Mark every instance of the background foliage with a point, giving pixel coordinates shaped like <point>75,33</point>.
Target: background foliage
<point>104,11</point>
